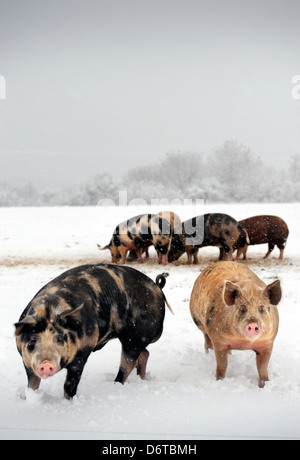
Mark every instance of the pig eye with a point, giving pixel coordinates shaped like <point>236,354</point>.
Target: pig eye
<point>31,344</point>
<point>261,309</point>
<point>60,339</point>
<point>243,309</point>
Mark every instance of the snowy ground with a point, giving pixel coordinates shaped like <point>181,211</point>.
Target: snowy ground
<point>180,399</point>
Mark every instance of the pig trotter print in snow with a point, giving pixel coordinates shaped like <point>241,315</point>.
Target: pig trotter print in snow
<point>80,311</point>
<point>236,310</point>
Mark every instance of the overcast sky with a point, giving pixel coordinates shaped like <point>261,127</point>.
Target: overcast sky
<point>126,81</point>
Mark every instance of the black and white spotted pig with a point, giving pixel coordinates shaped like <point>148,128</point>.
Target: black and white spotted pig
<point>140,232</point>
<point>214,229</point>
<point>126,238</point>
<point>80,311</point>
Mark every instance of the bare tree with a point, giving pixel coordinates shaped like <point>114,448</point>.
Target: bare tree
<point>294,169</point>
<point>238,170</point>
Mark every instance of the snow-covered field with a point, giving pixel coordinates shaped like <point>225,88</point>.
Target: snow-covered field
<point>180,398</point>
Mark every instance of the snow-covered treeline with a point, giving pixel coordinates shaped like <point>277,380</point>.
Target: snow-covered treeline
<point>232,173</point>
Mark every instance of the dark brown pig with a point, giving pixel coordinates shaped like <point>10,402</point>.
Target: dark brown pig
<point>80,311</point>
<point>265,229</point>
<point>236,310</point>
<point>140,232</point>
<point>215,229</point>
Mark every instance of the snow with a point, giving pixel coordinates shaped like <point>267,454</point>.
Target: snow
<point>180,398</point>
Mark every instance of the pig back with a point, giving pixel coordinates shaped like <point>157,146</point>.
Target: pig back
<point>264,229</point>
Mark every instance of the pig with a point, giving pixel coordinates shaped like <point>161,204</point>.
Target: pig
<point>236,310</point>
<point>265,229</point>
<point>83,309</point>
<point>140,232</point>
<point>215,229</point>
<point>171,226</point>
<point>127,237</point>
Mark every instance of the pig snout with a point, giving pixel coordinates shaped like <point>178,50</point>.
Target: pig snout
<point>252,329</point>
<point>46,369</point>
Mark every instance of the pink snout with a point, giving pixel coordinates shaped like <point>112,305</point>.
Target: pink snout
<point>252,329</point>
<point>46,369</point>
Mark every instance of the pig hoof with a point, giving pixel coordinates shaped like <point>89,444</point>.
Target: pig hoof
<point>262,382</point>
<point>142,362</point>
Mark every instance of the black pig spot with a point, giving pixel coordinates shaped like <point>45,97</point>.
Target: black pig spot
<point>196,321</point>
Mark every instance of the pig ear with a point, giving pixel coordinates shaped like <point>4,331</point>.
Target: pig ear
<point>26,322</point>
<point>273,292</point>
<point>231,291</point>
<point>71,318</point>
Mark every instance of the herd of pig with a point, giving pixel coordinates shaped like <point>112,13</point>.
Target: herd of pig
<point>171,238</point>
<point>82,309</point>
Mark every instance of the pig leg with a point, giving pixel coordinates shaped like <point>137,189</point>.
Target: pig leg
<point>281,249</point>
<point>229,255</point>
<point>132,347</point>
<point>133,354</point>
<point>33,380</point>
<point>123,251</point>
<point>271,247</point>
<point>241,251</point>
<point>143,358</point>
<point>142,362</point>
<point>132,255</point>
<point>196,256</point>
<point>72,381</point>
<point>262,361</point>
<point>222,362</point>
<point>192,254</point>
<point>162,256</point>
<point>159,255</point>
<point>165,259</point>
<point>139,252</point>
<point>223,253</point>
<point>74,372</point>
<point>126,365</point>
